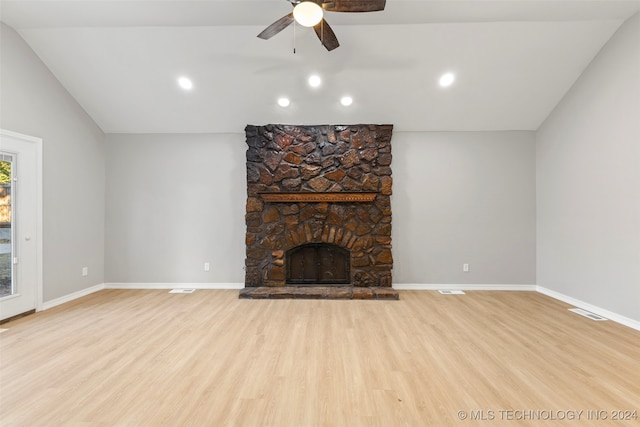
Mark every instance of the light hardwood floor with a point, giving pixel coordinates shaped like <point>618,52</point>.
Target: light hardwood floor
<point>150,358</point>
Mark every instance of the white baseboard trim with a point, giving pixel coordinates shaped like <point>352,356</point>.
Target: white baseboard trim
<point>467,287</point>
<point>634,324</point>
<point>70,297</point>
<point>173,285</point>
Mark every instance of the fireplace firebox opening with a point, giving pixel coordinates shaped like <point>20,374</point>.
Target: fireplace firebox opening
<point>318,264</point>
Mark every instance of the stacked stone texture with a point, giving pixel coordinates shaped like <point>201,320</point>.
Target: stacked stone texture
<point>312,159</point>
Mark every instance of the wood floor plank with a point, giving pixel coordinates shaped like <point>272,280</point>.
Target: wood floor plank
<point>150,358</point>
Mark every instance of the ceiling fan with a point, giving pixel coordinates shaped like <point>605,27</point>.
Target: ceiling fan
<point>309,13</point>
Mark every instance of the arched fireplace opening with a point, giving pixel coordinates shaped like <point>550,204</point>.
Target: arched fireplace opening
<point>318,264</point>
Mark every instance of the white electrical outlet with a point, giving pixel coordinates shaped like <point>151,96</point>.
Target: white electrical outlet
<point>465,268</point>
<point>85,271</point>
<point>207,266</point>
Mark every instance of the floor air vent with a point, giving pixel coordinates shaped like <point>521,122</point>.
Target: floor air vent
<point>182,291</point>
<point>588,314</point>
<point>451,292</point>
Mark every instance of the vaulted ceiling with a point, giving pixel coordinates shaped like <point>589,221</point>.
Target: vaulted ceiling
<point>513,61</point>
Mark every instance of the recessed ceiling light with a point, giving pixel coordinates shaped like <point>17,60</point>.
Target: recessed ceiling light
<point>185,83</point>
<point>284,102</point>
<point>315,80</point>
<point>447,79</point>
<point>346,101</point>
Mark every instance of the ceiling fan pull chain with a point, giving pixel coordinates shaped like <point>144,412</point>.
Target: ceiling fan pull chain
<point>294,37</point>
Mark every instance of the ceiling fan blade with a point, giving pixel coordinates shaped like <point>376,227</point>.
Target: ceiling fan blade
<point>354,5</point>
<point>326,35</point>
<point>276,27</point>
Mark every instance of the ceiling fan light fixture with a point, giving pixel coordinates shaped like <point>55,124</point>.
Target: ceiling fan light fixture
<point>307,13</point>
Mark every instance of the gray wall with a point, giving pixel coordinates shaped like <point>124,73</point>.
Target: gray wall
<point>177,201</point>
<point>34,103</point>
<point>588,182</point>
<point>464,197</point>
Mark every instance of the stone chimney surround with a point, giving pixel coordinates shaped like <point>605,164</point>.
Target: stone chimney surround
<point>322,190</point>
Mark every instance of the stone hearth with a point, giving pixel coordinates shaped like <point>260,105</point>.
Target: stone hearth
<point>318,189</point>
<point>319,292</point>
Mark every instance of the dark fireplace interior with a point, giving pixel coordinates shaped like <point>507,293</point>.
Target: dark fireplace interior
<point>318,263</point>
<point>318,212</point>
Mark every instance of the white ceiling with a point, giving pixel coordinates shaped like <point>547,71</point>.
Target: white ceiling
<point>514,60</point>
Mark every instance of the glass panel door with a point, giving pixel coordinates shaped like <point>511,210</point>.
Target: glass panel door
<point>6,225</point>
<point>20,223</point>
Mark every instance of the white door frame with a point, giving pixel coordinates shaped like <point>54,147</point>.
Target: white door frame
<point>39,217</point>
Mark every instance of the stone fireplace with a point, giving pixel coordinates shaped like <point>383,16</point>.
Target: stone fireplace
<point>318,212</point>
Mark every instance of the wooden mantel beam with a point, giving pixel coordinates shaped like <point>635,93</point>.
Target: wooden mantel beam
<point>333,197</point>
